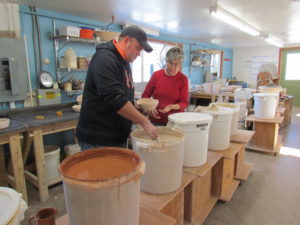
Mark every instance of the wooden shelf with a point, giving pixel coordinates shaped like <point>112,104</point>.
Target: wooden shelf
<point>244,172</point>
<point>242,136</point>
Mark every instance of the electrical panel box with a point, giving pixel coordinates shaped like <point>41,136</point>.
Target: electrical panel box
<point>48,96</point>
<point>13,70</point>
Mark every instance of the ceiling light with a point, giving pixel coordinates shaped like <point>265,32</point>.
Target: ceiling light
<point>273,40</point>
<point>228,18</point>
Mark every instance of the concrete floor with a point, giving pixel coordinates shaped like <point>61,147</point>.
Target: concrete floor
<point>270,196</point>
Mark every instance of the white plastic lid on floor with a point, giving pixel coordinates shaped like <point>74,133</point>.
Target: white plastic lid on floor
<point>189,117</point>
<point>12,206</point>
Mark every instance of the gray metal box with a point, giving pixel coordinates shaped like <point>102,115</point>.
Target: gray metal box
<point>48,96</point>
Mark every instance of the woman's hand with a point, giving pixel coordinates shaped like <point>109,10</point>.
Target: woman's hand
<point>168,108</point>
<point>155,114</point>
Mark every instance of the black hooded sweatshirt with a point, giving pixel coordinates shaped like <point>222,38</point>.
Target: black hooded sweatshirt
<point>108,87</point>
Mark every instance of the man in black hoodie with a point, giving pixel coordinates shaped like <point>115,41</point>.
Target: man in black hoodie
<point>107,109</point>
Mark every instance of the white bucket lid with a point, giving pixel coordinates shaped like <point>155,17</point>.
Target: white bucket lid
<point>189,117</point>
<point>9,204</point>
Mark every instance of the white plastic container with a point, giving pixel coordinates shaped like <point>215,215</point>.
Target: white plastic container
<point>71,149</point>
<point>12,207</point>
<point>163,158</point>
<point>70,59</point>
<point>196,127</point>
<point>52,161</point>
<point>208,87</point>
<point>235,116</point>
<point>219,132</point>
<point>69,31</point>
<point>102,186</point>
<point>216,88</point>
<point>265,105</point>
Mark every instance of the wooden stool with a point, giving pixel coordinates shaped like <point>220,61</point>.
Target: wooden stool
<point>201,196</point>
<point>229,184</point>
<point>171,204</point>
<point>242,169</point>
<point>266,137</point>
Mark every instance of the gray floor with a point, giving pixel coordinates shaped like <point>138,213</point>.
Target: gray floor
<point>271,195</point>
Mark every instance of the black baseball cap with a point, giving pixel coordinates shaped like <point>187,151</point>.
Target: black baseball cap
<point>139,35</point>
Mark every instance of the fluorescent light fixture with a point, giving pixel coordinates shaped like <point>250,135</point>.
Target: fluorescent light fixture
<point>228,18</point>
<point>273,40</point>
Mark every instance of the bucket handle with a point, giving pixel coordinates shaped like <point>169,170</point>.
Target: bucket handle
<point>142,145</point>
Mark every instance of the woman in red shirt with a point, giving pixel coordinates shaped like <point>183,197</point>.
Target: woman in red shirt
<point>169,86</point>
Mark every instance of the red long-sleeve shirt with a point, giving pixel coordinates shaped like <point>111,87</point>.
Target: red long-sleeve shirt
<point>168,90</point>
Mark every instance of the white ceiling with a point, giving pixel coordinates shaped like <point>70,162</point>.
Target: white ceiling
<point>190,19</point>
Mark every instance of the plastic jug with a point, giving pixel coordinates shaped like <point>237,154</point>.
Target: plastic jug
<point>70,59</point>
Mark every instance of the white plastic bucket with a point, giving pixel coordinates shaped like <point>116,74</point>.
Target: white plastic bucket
<point>52,161</point>
<point>195,127</point>
<point>163,158</point>
<point>208,87</point>
<point>102,186</point>
<point>71,149</point>
<point>243,109</point>
<point>216,88</point>
<point>219,132</point>
<point>12,207</point>
<point>265,105</point>
<point>235,116</point>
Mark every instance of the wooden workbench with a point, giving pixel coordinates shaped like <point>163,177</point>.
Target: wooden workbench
<point>171,204</point>
<point>212,97</point>
<point>242,168</point>
<point>35,130</point>
<point>229,183</point>
<point>147,217</point>
<point>201,196</point>
<point>266,138</point>
<point>11,136</point>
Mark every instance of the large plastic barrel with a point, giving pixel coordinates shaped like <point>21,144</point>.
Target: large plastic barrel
<point>219,132</point>
<point>196,127</point>
<point>265,105</point>
<point>52,161</point>
<point>163,158</point>
<point>102,186</point>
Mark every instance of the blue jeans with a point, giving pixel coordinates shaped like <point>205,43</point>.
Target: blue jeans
<point>85,146</point>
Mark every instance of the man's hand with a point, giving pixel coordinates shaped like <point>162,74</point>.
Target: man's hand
<point>150,129</point>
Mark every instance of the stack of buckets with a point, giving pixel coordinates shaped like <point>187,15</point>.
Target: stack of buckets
<point>241,98</point>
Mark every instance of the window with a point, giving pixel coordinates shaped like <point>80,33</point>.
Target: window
<point>215,62</point>
<point>147,63</point>
<point>292,71</point>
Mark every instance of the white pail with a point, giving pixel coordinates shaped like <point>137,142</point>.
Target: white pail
<point>235,117</point>
<point>12,207</point>
<point>163,158</point>
<point>219,132</point>
<point>196,127</point>
<point>265,105</point>
<point>208,87</point>
<point>71,149</point>
<point>52,161</point>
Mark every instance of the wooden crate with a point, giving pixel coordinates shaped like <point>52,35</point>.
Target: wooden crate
<point>201,196</point>
<point>229,184</point>
<point>171,204</point>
